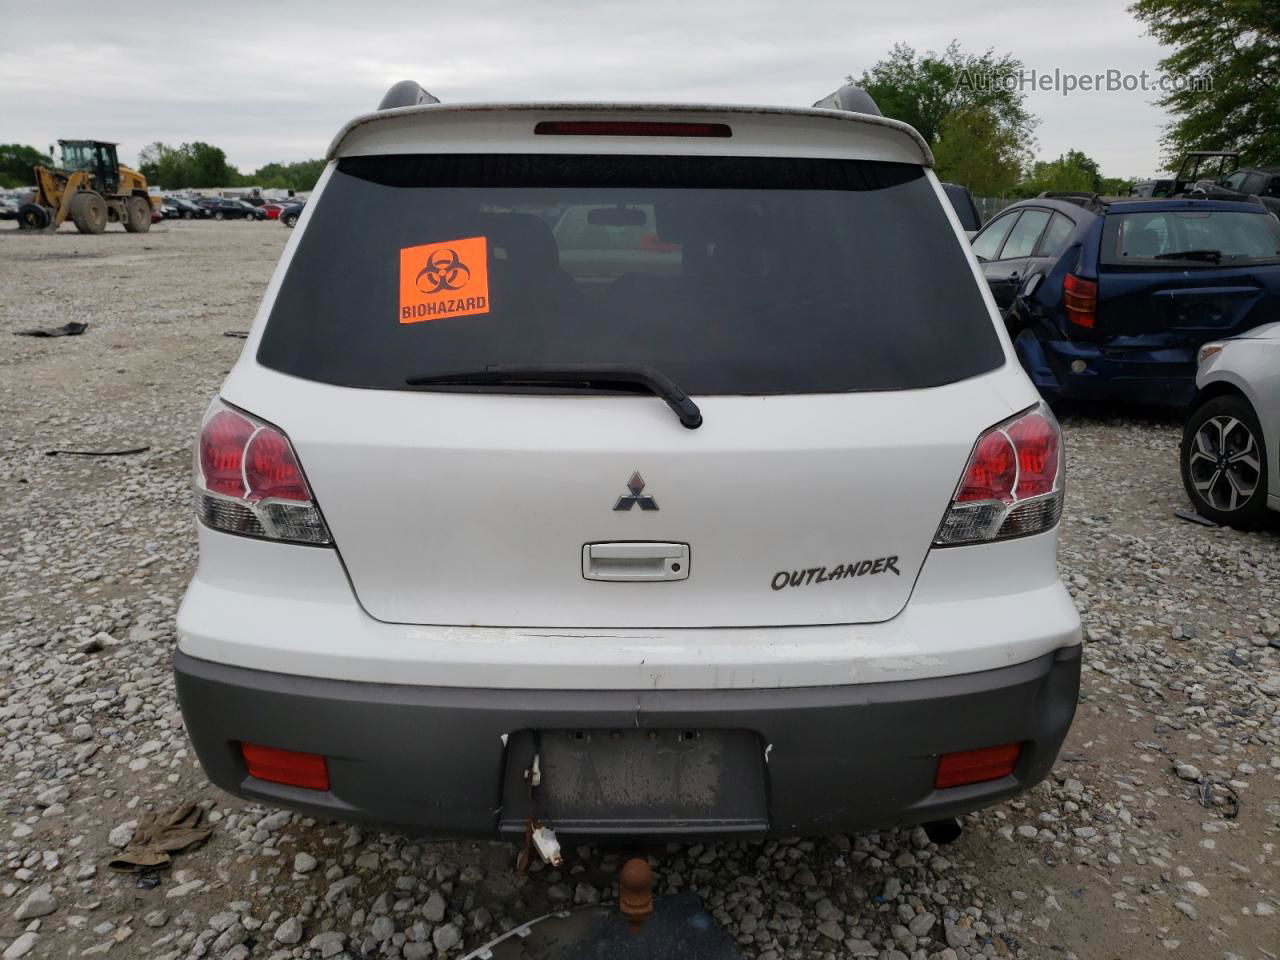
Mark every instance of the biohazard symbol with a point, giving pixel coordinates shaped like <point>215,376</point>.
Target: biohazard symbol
<point>444,271</point>
<point>443,280</point>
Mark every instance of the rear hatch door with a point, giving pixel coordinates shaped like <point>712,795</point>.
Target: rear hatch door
<point>840,394</point>
<point>1186,276</point>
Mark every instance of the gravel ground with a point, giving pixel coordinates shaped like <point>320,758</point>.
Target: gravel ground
<point>1114,856</point>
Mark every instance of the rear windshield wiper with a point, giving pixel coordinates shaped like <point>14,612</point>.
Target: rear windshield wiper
<point>1213,256</point>
<point>584,375</point>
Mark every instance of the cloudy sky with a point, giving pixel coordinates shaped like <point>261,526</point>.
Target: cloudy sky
<point>274,80</point>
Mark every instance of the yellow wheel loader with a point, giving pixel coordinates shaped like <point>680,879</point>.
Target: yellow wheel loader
<point>91,187</point>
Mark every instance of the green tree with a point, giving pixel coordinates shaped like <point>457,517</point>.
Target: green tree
<point>925,90</point>
<point>1117,186</point>
<point>975,149</point>
<point>300,175</point>
<point>195,164</point>
<point>1236,45</point>
<point>1073,172</point>
<point>16,161</point>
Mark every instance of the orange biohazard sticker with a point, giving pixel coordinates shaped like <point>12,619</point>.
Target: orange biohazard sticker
<point>447,279</point>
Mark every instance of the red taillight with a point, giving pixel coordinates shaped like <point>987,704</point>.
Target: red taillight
<point>1012,484</point>
<point>222,443</point>
<point>1080,299</point>
<point>992,471</point>
<point>306,770</point>
<point>976,766</point>
<point>1036,440</point>
<point>272,470</point>
<point>631,128</point>
<point>249,481</point>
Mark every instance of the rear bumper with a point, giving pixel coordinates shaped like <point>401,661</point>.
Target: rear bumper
<point>1162,376</point>
<point>432,760</point>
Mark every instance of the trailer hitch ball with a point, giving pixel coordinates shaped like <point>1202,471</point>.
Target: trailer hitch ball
<point>635,892</point>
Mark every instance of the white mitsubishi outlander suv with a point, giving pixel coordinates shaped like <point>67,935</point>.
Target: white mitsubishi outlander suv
<point>629,470</point>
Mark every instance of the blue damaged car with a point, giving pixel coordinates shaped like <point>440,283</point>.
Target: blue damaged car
<point>1110,299</point>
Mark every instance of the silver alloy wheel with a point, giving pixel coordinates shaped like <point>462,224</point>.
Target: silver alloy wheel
<point>1225,465</point>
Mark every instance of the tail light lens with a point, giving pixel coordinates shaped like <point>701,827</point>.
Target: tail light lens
<point>1080,300</point>
<point>248,481</point>
<point>1012,485</point>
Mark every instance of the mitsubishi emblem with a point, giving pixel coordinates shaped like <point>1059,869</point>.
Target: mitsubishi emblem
<point>637,495</point>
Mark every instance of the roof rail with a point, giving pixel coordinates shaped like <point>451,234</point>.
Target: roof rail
<point>850,97</point>
<point>1090,201</point>
<point>406,93</point>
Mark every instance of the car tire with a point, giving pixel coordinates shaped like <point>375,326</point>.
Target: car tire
<point>219,215</point>
<point>89,212</point>
<point>187,214</point>
<point>1224,462</point>
<point>291,220</point>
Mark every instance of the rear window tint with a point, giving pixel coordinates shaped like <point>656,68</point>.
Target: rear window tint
<point>730,275</point>
<point>1191,238</point>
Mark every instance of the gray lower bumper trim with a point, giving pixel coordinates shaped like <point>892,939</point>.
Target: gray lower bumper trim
<point>431,760</point>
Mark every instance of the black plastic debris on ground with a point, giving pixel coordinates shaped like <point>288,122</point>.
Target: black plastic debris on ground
<point>679,929</point>
<point>1183,513</point>
<point>237,334</point>
<point>72,329</point>
<point>96,453</point>
<point>147,880</point>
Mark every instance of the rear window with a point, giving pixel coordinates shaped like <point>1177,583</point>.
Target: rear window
<point>1191,238</point>
<point>730,275</point>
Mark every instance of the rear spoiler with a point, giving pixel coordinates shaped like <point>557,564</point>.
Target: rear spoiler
<point>406,102</point>
<point>851,97</point>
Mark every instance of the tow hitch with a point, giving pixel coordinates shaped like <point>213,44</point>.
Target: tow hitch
<point>639,927</point>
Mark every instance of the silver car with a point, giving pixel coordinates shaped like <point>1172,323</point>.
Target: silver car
<point>1231,440</point>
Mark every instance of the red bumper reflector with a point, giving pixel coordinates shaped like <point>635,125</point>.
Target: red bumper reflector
<point>976,766</point>
<point>631,128</point>
<point>307,770</point>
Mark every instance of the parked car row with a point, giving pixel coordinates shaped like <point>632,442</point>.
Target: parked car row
<point>1111,299</point>
<point>1170,301</point>
<point>227,208</point>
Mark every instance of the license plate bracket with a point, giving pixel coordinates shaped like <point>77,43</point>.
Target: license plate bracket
<point>644,781</point>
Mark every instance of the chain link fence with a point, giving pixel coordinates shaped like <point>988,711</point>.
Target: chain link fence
<point>988,207</point>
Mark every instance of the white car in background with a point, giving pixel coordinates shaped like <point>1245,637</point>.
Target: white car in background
<point>1232,438</point>
<point>725,520</point>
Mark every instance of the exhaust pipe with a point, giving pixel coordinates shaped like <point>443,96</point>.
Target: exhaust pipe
<point>943,832</point>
